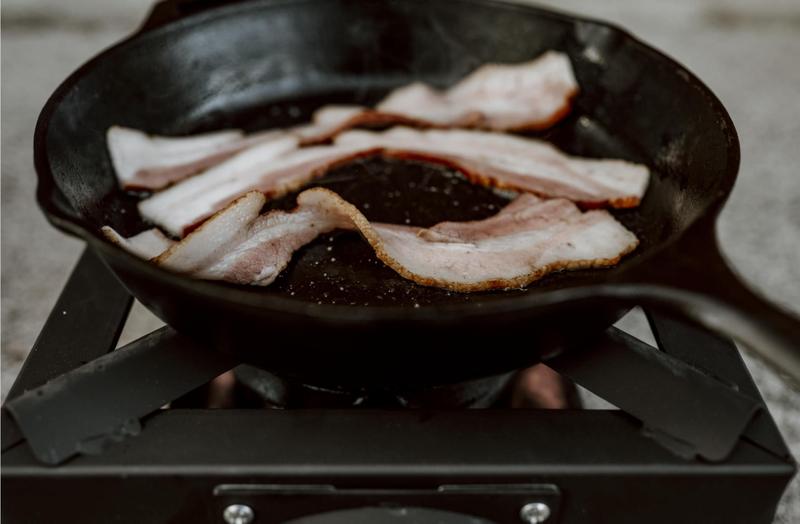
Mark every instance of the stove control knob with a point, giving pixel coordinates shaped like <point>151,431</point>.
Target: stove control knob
<point>238,514</point>
<point>534,513</point>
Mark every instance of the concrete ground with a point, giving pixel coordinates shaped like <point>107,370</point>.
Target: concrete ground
<point>746,51</point>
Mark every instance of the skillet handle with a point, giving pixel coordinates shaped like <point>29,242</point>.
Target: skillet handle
<point>167,11</point>
<point>693,281</point>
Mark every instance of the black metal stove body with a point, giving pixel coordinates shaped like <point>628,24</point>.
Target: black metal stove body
<point>84,439</point>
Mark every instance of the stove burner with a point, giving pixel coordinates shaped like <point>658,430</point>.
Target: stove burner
<point>277,392</point>
<point>691,442</point>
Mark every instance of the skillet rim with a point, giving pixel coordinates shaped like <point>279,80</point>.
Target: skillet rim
<point>51,199</point>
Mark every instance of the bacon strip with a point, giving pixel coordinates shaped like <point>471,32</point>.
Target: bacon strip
<point>525,241</point>
<point>502,97</point>
<point>240,246</point>
<point>271,169</point>
<point>492,159</point>
<point>150,162</point>
<point>147,244</point>
<point>513,162</point>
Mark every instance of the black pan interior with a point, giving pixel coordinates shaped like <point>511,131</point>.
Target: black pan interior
<point>270,64</point>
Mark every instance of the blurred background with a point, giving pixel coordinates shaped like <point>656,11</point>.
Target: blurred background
<point>745,50</point>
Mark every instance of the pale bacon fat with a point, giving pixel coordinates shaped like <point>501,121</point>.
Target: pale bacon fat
<point>150,162</point>
<point>215,237</point>
<point>147,244</point>
<point>512,97</point>
<point>513,162</point>
<point>512,249</point>
<point>502,97</point>
<point>273,169</point>
<point>241,246</point>
<point>532,95</point>
<point>493,159</point>
<point>525,241</point>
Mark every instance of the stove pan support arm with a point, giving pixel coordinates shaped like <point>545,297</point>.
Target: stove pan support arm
<point>74,394</point>
<point>84,324</point>
<point>720,359</point>
<point>683,407</point>
<point>101,402</point>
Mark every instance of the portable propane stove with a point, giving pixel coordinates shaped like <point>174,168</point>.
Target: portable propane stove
<point>86,436</point>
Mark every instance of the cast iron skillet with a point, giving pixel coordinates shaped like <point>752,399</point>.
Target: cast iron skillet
<point>337,316</point>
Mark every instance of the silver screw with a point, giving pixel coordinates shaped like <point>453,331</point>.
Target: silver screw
<point>238,514</point>
<point>534,513</point>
